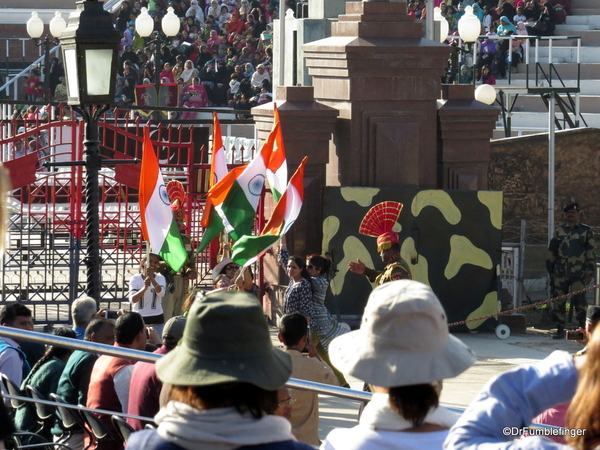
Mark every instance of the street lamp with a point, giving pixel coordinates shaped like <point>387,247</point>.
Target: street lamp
<point>444,28</point>
<point>35,29</point>
<point>90,47</point>
<point>485,94</point>
<point>469,29</point>
<point>144,25</point>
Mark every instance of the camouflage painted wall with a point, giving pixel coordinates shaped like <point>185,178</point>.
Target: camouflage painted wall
<point>519,168</point>
<point>451,240</point>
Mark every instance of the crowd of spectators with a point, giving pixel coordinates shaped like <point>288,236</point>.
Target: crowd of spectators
<point>222,55</point>
<point>501,18</point>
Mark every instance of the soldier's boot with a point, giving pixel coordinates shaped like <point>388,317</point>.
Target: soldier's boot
<point>560,332</point>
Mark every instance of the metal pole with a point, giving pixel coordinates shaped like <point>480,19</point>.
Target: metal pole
<point>46,45</point>
<point>521,269</point>
<point>157,70</point>
<point>281,53</point>
<point>92,199</point>
<point>550,166</point>
<point>429,30</point>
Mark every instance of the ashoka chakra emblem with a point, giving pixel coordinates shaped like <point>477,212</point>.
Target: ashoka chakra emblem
<point>256,184</point>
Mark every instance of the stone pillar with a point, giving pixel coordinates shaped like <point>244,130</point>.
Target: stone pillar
<point>465,129</point>
<point>384,79</point>
<point>307,127</point>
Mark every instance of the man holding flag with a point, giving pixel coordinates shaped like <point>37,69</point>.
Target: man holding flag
<point>159,226</point>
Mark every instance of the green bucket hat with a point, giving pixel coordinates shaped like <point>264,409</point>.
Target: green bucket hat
<point>226,339</point>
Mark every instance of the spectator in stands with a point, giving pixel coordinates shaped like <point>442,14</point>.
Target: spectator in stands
<point>19,148</point>
<point>486,76</point>
<point>111,376</point>
<point>145,386</point>
<point>223,385</point>
<point>31,93</point>
<point>13,361</point>
<point>189,73</point>
<point>402,349</point>
<point>464,76</point>
<point>284,403</point>
<point>83,310</point>
<point>44,377</point>
<point>294,333</point>
<point>196,12</point>
<point>520,16</point>
<point>74,381</point>
<point>257,77</point>
<point>60,92</point>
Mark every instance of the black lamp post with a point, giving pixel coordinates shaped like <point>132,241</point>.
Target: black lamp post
<point>35,29</point>
<point>90,47</point>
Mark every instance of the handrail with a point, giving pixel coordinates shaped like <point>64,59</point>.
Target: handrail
<point>77,407</point>
<point>139,355</point>
<point>15,79</point>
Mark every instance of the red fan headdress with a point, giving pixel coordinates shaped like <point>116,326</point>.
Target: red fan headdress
<point>176,194</point>
<point>379,221</point>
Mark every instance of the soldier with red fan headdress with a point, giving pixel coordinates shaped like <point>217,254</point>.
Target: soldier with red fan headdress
<point>378,222</point>
<point>175,296</point>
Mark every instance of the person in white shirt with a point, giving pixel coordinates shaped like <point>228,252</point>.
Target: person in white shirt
<point>257,77</point>
<point>146,291</point>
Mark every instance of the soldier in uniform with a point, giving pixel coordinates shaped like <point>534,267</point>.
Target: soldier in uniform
<point>379,222</point>
<point>571,265</point>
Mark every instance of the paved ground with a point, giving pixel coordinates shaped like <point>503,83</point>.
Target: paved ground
<point>493,356</point>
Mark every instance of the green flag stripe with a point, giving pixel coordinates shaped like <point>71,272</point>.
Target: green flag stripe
<point>173,250</point>
<point>215,226</point>
<point>237,213</point>
<point>250,246</point>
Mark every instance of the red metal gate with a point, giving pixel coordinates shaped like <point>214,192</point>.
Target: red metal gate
<point>43,265</point>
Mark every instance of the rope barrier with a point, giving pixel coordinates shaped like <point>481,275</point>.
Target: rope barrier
<point>533,305</point>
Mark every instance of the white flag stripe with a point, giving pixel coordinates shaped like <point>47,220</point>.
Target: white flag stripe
<point>159,215</point>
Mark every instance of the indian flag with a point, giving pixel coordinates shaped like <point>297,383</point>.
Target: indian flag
<point>248,248</point>
<point>218,165</point>
<point>158,223</point>
<point>231,203</point>
<point>277,167</point>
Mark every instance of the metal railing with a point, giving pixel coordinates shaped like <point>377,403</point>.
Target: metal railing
<point>139,355</point>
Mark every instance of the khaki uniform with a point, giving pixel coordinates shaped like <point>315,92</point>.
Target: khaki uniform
<point>397,269</point>
<point>175,296</point>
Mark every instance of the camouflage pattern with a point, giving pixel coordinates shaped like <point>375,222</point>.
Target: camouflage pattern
<point>397,269</point>
<point>571,265</point>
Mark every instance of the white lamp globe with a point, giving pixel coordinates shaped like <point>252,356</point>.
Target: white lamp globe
<point>57,25</point>
<point>444,27</point>
<point>170,23</point>
<point>469,26</point>
<point>144,24</point>
<point>35,26</point>
<point>485,94</point>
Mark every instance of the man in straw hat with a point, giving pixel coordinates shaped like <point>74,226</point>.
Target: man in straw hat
<point>402,349</point>
<point>224,377</point>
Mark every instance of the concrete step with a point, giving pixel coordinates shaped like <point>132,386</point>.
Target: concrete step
<point>592,20</point>
<point>566,54</point>
<point>589,104</point>
<point>572,29</point>
<point>585,11</point>
<point>588,37</point>
<point>584,4</point>
<point>565,71</point>
<point>539,120</point>
<point>586,86</point>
